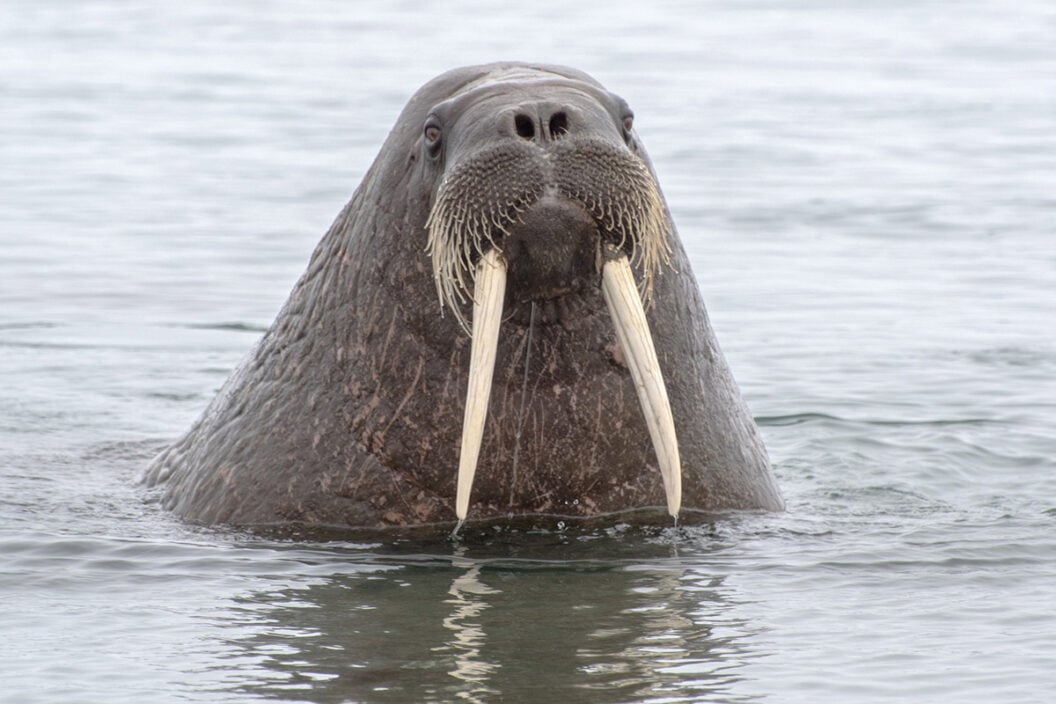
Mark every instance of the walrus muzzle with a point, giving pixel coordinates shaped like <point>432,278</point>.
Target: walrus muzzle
<point>477,205</point>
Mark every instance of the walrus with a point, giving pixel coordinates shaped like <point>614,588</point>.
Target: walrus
<point>502,321</point>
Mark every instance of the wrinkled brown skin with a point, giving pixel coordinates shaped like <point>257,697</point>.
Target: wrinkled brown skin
<point>349,410</point>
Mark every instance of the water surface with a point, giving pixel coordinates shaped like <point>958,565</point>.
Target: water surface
<point>866,194</point>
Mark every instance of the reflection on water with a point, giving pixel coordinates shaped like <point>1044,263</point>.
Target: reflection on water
<point>467,594</point>
<point>476,627</point>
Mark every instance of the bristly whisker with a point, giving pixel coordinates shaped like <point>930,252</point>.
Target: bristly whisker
<point>484,197</point>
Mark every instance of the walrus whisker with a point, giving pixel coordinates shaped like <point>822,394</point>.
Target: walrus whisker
<point>632,329</point>
<point>618,189</point>
<point>474,202</point>
<point>489,193</point>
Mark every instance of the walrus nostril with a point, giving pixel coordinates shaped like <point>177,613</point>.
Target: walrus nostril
<point>558,125</point>
<point>525,126</point>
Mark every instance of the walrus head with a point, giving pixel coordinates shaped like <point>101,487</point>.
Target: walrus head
<point>505,293</point>
<point>546,194</point>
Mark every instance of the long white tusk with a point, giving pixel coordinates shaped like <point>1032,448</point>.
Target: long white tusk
<point>628,317</point>
<point>489,289</point>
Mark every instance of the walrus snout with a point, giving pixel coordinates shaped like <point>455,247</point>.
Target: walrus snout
<point>551,250</point>
<point>516,191</point>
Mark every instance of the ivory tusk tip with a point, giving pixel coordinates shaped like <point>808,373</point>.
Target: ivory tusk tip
<point>632,329</point>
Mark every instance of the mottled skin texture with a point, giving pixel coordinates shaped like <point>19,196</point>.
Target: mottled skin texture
<point>349,410</point>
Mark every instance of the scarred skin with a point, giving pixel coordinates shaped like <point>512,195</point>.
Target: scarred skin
<point>349,410</point>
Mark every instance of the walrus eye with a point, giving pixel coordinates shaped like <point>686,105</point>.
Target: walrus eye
<point>432,136</point>
<point>628,125</point>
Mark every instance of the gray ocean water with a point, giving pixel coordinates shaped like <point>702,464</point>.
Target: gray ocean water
<point>868,195</point>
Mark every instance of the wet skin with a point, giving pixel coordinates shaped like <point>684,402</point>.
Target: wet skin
<point>350,409</point>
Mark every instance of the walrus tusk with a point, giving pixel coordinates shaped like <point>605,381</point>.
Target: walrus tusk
<point>628,317</point>
<point>489,289</point>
